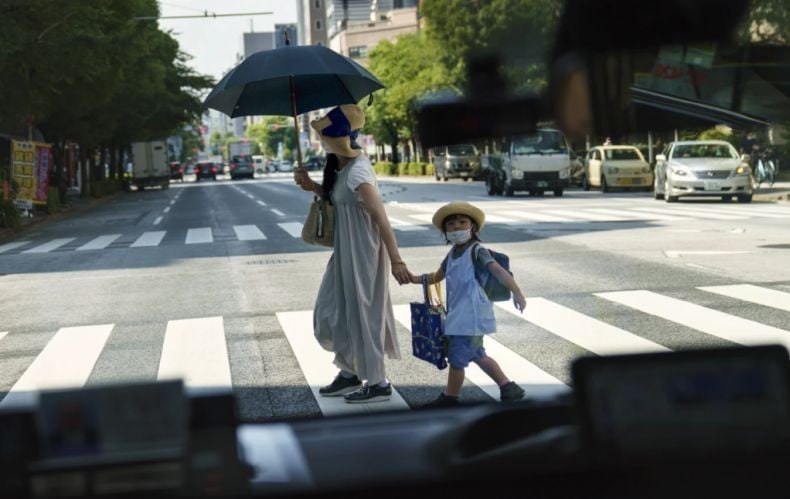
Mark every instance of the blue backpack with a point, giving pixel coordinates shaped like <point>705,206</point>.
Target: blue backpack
<point>494,290</point>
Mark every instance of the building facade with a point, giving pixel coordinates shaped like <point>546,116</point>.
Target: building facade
<point>311,26</point>
<point>357,39</point>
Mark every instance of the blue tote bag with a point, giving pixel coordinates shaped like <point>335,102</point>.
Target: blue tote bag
<point>427,327</point>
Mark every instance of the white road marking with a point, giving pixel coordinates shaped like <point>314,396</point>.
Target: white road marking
<point>250,196</point>
<point>398,224</point>
<point>622,214</point>
<point>261,203</point>
<point>754,294</point>
<point>52,245</point>
<point>278,213</point>
<point>292,228</point>
<point>591,334</point>
<point>65,362</point>
<point>753,211</point>
<point>319,370</point>
<point>678,254</point>
<point>713,322</point>
<point>149,239</point>
<point>248,233</point>
<point>423,217</point>
<point>593,217</point>
<point>537,216</point>
<point>696,213</point>
<point>656,214</point>
<point>158,220</point>
<point>195,350</point>
<point>199,236</point>
<point>100,242</point>
<point>167,210</point>
<point>11,246</point>
<point>172,202</point>
<point>3,334</point>
<point>496,219</point>
<point>534,380</point>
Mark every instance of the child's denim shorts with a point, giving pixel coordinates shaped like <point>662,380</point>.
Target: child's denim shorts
<point>461,350</point>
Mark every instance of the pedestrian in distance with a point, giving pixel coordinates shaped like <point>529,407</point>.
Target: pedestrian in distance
<point>470,313</point>
<point>353,316</point>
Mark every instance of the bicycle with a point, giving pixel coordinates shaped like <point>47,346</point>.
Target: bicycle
<point>765,170</point>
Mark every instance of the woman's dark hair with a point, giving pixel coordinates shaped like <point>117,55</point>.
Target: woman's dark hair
<point>330,175</point>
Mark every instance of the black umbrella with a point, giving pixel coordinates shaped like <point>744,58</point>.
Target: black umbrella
<point>291,80</point>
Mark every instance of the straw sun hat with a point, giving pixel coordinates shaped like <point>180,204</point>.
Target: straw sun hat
<point>459,208</point>
<point>339,130</point>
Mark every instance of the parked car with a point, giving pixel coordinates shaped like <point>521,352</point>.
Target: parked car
<point>259,163</point>
<point>616,167</point>
<point>702,168</point>
<point>314,163</point>
<point>176,171</point>
<point>241,166</point>
<point>206,169</point>
<point>458,161</point>
<point>285,166</point>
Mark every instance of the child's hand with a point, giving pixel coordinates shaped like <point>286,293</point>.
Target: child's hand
<point>520,302</point>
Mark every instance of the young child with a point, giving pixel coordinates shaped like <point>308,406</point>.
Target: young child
<point>470,314</point>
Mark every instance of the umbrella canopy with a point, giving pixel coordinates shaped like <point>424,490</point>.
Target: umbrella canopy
<point>267,82</point>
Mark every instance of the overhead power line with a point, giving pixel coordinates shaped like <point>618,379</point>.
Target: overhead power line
<point>206,14</point>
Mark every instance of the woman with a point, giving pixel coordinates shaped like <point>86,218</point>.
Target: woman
<point>353,313</point>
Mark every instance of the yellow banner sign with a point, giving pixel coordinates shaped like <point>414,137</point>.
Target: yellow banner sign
<point>31,163</point>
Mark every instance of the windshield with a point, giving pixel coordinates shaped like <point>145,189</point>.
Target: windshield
<point>299,291</point>
<point>544,142</point>
<point>704,151</point>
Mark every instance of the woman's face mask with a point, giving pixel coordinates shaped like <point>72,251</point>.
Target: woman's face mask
<point>459,237</point>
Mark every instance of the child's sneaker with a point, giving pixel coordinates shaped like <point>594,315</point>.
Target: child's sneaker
<point>511,392</point>
<point>441,401</point>
<point>370,393</point>
<point>340,386</point>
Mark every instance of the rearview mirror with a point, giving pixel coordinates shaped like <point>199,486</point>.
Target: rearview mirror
<point>661,157</point>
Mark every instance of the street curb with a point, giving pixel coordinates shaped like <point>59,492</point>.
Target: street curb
<point>772,196</point>
<point>6,234</point>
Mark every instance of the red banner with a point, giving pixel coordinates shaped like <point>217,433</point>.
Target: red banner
<point>41,171</point>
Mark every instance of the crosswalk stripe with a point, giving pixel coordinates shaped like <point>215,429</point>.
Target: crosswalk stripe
<point>584,215</point>
<point>758,212</point>
<point>423,217</point>
<point>697,213</point>
<point>261,203</point>
<point>754,294</point>
<point>11,246</point>
<point>405,226</point>
<point>653,214</point>
<point>248,233</point>
<point>628,215</point>
<point>195,350</point>
<point>100,242</point>
<point>537,216</point>
<point>278,212</point>
<point>3,334</point>
<point>51,245</point>
<point>199,236</point>
<point>591,334</point>
<point>66,361</point>
<point>535,381</point>
<point>318,368</point>
<point>713,322</point>
<point>496,219</point>
<point>149,239</point>
<point>292,228</point>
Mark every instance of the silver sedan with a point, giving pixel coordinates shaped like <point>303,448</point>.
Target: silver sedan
<point>702,168</point>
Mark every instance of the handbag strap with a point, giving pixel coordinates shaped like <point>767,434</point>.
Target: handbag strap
<point>425,295</point>
<point>426,291</point>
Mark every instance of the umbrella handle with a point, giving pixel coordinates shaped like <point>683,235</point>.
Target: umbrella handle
<point>296,124</point>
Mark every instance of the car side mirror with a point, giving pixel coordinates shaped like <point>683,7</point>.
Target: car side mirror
<point>661,157</point>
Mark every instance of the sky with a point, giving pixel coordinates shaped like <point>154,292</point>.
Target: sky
<point>214,42</point>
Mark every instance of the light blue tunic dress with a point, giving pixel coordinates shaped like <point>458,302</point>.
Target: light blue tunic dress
<point>469,311</point>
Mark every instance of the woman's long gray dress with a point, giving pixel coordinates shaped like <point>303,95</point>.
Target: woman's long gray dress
<point>353,312</point>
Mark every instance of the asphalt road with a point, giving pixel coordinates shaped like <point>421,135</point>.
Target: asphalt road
<point>210,281</point>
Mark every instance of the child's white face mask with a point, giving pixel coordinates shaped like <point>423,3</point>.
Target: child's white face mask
<point>459,237</point>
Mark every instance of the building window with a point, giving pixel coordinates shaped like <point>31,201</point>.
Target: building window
<point>358,52</point>
<point>317,4</point>
<point>318,24</point>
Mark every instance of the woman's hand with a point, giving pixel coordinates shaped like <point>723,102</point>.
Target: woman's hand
<point>303,180</point>
<point>401,273</point>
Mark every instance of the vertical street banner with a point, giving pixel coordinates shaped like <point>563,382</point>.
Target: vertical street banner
<point>30,163</point>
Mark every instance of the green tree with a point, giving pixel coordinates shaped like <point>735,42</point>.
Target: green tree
<point>768,22</point>
<point>409,72</point>
<point>272,131</point>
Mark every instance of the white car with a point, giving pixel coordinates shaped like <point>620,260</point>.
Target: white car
<point>702,168</point>
<point>285,166</point>
<point>616,167</point>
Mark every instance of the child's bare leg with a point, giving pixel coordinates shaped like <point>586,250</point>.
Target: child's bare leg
<point>455,380</point>
<point>492,369</point>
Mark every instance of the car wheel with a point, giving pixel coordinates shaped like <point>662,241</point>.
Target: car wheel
<point>558,193</point>
<point>437,177</point>
<point>444,177</point>
<point>604,186</point>
<point>532,193</point>
<point>656,194</point>
<point>509,192</point>
<point>490,188</point>
<point>540,193</point>
<point>585,183</point>
<point>745,198</point>
<point>466,179</point>
<point>215,178</point>
<point>667,197</point>
<point>726,199</point>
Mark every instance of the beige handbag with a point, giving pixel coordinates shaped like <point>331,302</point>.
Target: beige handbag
<point>319,228</point>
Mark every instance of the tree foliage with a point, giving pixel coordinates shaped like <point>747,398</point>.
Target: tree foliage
<point>768,22</point>
<point>269,133</point>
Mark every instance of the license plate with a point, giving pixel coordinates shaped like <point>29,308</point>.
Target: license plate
<point>464,174</point>
<point>712,186</point>
<point>626,181</point>
<point>543,184</point>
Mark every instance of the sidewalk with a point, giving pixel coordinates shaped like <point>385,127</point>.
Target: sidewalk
<point>76,205</point>
<point>780,191</point>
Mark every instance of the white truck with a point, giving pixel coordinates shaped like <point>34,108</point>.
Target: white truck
<point>149,165</point>
<point>535,163</point>
<point>241,148</point>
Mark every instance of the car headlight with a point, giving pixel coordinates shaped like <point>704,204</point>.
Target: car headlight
<point>646,169</point>
<point>612,169</point>
<point>679,171</point>
<point>518,174</point>
<point>743,170</point>
<point>565,173</point>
